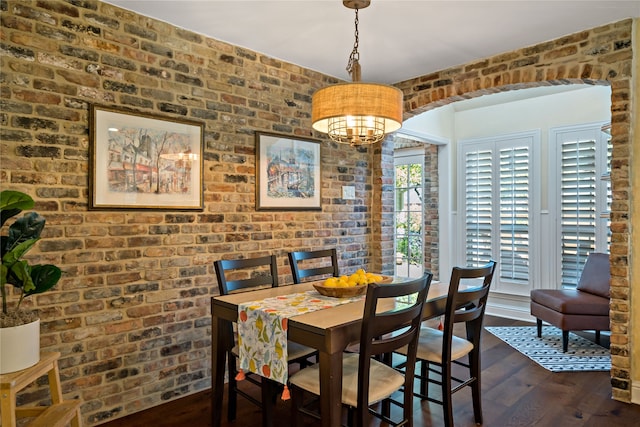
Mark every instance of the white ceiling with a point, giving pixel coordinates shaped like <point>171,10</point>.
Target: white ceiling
<point>399,39</point>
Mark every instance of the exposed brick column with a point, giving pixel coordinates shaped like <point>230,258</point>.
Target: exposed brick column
<point>431,216</point>
<point>382,206</point>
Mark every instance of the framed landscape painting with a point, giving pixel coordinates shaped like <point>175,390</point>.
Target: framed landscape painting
<point>139,161</point>
<point>287,173</point>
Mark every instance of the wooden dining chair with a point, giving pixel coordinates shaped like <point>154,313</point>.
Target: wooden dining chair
<point>241,275</point>
<point>366,380</point>
<point>438,349</point>
<point>313,264</point>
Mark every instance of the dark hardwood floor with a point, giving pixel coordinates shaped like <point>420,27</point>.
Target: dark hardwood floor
<point>515,392</point>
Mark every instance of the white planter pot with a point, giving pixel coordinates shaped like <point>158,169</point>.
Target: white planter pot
<point>19,347</point>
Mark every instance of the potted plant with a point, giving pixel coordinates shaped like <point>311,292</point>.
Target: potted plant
<point>20,328</point>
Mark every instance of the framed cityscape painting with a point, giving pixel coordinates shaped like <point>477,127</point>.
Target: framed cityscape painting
<point>140,161</point>
<point>287,173</point>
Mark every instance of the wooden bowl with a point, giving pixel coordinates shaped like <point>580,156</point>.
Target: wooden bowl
<point>347,292</point>
<point>341,292</point>
<point>385,279</point>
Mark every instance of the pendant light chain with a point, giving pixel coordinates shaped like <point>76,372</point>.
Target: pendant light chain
<point>354,58</point>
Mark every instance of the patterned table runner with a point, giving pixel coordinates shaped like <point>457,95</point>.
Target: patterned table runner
<point>262,330</point>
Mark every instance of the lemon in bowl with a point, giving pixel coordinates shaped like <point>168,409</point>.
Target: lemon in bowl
<point>351,285</point>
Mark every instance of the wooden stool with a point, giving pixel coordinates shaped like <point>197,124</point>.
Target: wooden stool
<point>59,414</point>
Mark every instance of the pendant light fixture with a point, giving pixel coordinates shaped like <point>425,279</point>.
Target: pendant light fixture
<point>357,113</point>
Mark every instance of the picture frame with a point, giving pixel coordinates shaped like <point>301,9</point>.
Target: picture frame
<point>142,161</point>
<point>288,175</point>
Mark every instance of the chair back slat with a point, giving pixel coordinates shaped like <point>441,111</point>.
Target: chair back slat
<point>473,303</point>
<point>304,264</point>
<point>236,275</point>
<point>469,313</point>
<point>456,297</point>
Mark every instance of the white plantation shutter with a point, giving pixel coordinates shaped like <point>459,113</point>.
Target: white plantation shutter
<point>606,176</point>
<point>578,207</point>
<point>514,213</point>
<point>479,210</point>
<point>584,197</point>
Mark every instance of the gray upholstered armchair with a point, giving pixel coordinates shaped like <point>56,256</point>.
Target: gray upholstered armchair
<point>583,308</point>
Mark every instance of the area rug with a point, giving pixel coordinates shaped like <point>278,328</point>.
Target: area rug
<point>582,355</point>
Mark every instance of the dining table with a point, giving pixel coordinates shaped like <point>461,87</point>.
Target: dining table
<point>330,331</point>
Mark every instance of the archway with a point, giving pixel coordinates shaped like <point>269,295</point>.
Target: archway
<point>599,56</point>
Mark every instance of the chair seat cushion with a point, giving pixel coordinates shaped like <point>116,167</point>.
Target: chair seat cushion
<point>570,301</point>
<point>384,380</point>
<point>430,346</point>
<point>298,351</point>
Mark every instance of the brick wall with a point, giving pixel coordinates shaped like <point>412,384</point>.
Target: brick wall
<point>131,313</point>
<point>601,55</point>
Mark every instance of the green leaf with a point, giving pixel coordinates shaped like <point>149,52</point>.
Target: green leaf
<point>30,226</point>
<point>12,203</point>
<point>19,275</point>
<point>44,277</point>
<point>5,214</point>
<point>18,251</point>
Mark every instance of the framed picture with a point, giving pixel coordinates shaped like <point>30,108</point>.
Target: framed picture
<point>287,173</point>
<point>140,161</point>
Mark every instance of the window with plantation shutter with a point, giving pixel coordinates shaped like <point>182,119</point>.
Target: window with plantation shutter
<point>578,207</point>
<point>514,213</point>
<point>606,177</point>
<point>583,156</point>
<point>497,206</point>
<point>479,211</point>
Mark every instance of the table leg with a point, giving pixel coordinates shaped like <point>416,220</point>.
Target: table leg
<point>268,390</point>
<point>331,388</point>
<point>218,355</point>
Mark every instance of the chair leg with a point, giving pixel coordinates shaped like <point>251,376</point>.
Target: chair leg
<point>233,384</point>
<point>447,401</point>
<point>565,341</point>
<point>352,417</point>
<point>385,406</point>
<point>424,379</point>
<point>539,324</point>
<point>475,371</point>
<point>598,337</point>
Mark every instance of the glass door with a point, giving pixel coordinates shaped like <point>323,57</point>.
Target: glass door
<point>409,216</point>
